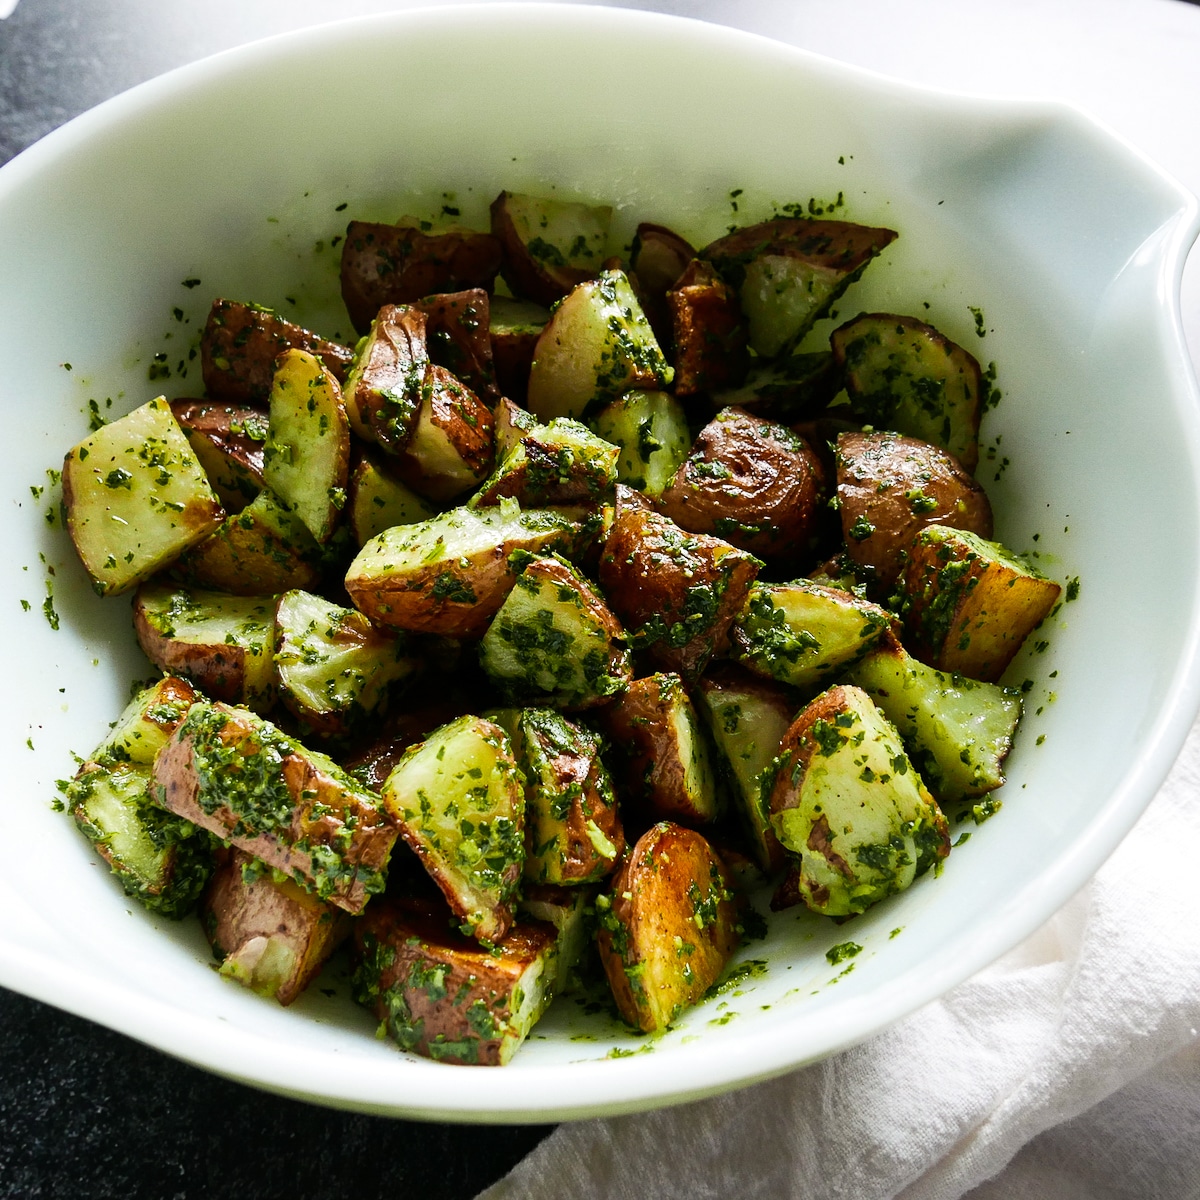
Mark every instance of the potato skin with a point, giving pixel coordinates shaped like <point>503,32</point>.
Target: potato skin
<point>668,928</point>
<point>323,806</point>
<point>241,342</point>
<point>245,912</point>
<point>889,487</point>
<point>457,334</point>
<point>399,264</point>
<point>229,441</point>
<point>676,593</point>
<point>708,332</point>
<point>750,481</point>
<point>441,994</point>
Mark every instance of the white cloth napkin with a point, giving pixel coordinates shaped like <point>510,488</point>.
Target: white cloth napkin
<point>1104,993</point>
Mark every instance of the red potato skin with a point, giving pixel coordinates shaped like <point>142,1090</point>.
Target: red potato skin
<point>707,331</point>
<point>397,357</point>
<point>457,335</point>
<point>217,430</point>
<point>751,481</point>
<point>399,264</point>
<point>314,791</point>
<point>898,485</point>
<point>833,245</point>
<point>543,283</point>
<point>236,911</point>
<point>647,570</point>
<point>660,256</point>
<point>241,342</point>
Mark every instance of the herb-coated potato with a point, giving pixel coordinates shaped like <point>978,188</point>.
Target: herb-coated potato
<point>789,270</point>
<point>268,934</point>
<point>514,330</point>
<point>651,429</point>
<point>228,440</point>
<point>676,593</point>
<point>549,245</point>
<point>903,374</point>
<point>848,801</point>
<point>383,390</point>
<point>795,388</point>
<point>223,644</point>
<point>376,500</point>
<point>450,447</point>
<point>442,995</point>
<point>890,486</point>
<point>569,911</point>
<point>294,809</point>
<point>450,574</point>
<point>136,497</point>
<point>668,927</point>
<point>660,752</point>
<point>241,342</point>
<point>707,331</point>
<point>458,800</point>
<point>554,641</point>
<point>969,604</point>
<point>750,481</point>
<point>400,264</point>
<point>573,830</point>
<point>458,338</point>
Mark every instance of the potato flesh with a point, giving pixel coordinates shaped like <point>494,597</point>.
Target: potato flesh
<point>597,345</point>
<point>377,502</point>
<point>458,802</point>
<point>136,498</point>
<point>307,455</point>
<point>147,722</point>
<point>958,731</point>
<point>800,633</point>
<point>222,643</point>
<point>554,641</point>
<point>652,432</point>
<point>847,800</point>
<point>667,929</point>
<point>333,665</point>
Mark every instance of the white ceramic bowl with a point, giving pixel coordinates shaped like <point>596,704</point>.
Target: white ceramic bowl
<point>235,171</point>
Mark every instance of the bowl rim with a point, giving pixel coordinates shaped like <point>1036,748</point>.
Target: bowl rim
<point>628,1084</point>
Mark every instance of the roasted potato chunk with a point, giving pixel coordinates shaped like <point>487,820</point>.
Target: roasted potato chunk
<point>549,245</point>
<point>651,430</point>
<point>708,332</point>
<point>660,753</point>
<point>969,604</point>
<point>160,860</point>
<point>268,934</point>
<point>223,644</point>
<point>668,927</point>
<point>904,375</point>
<point>444,996</point>
<point>228,440</point>
<point>459,803</point>
<point>677,593</point>
<point>788,271</point>
<point>802,633</point>
<point>957,731</point>
<point>596,346</point>
<point>746,719</point>
<point>569,911</point>
<point>561,462</point>
<point>376,500</point>
<point>239,777</point>
<point>515,328</point>
<point>334,668</point>
<point>458,338</point>
<point>136,497</point>
<point>889,487</point>
<point>146,724</point>
<point>847,800</point>
<point>263,550</point>
<point>400,264</point>
<point>572,831</point>
<point>307,455</point>
<point>554,641</point>
<point>750,481</point>
<point>657,259</point>
<point>450,448</point>
<point>797,387</point>
<point>383,391</point>
<point>241,342</point>
<point>450,574</point>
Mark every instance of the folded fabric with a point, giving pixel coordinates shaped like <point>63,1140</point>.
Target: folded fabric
<point>1103,993</point>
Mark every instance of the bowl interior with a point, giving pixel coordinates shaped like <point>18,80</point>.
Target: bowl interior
<point>240,173</point>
